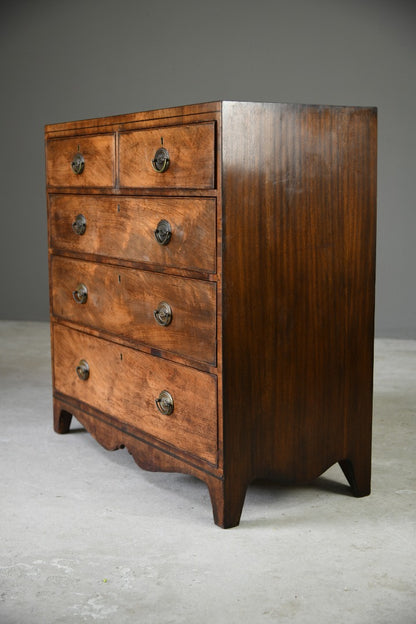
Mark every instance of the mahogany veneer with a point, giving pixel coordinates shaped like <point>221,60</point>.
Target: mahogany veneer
<point>238,343</point>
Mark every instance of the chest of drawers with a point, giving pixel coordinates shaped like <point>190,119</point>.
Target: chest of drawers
<point>212,290</point>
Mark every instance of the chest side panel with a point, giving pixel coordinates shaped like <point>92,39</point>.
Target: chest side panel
<point>298,292</point>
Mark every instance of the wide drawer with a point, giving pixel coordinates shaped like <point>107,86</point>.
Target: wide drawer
<point>190,162</point>
<point>126,384</point>
<point>124,301</point>
<point>130,228</point>
<point>82,161</point>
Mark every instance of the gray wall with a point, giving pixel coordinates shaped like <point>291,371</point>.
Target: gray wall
<point>66,60</point>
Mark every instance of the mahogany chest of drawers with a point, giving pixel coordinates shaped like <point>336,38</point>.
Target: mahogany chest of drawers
<point>212,290</point>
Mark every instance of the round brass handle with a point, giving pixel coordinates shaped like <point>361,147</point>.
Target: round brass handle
<point>83,370</point>
<point>80,294</point>
<point>79,225</point>
<point>163,314</point>
<point>164,403</point>
<point>163,232</point>
<point>160,161</point>
<point>78,163</point>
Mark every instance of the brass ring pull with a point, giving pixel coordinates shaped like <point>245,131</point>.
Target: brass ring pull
<point>83,370</point>
<point>164,403</point>
<point>78,163</point>
<point>163,314</point>
<point>80,294</point>
<point>79,225</point>
<point>163,232</point>
<point>160,161</point>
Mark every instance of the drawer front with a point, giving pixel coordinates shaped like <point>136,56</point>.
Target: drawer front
<point>125,383</point>
<point>123,302</point>
<point>83,161</point>
<point>191,157</point>
<point>128,228</point>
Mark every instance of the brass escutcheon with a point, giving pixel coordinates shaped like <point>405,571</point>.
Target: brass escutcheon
<point>83,370</point>
<point>164,403</point>
<point>163,314</point>
<point>79,225</point>
<point>80,294</point>
<point>163,232</point>
<point>160,161</point>
<point>78,163</point>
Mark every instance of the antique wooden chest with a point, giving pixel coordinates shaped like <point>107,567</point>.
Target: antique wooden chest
<point>212,290</point>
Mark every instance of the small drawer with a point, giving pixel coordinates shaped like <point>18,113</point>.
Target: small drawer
<point>170,157</point>
<point>135,304</point>
<point>82,161</point>
<point>171,402</point>
<point>172,232</point>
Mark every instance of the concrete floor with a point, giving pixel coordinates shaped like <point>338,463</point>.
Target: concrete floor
<point>87,536</point>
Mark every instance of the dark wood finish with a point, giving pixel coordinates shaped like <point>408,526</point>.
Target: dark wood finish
<point>300,188</point>
<point>191,154</point>
<point>123,228</point>
<point>189,113</point>
<point>122,301</point>
<point>98,152</point>
<point>286,307</point>
<point>61,418</point>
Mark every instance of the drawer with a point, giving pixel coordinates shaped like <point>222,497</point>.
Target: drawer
<point>191,157</point>
<point>125,228</point>
<point>123,302</point>
<point>125,384</point>
<point>92,156</point>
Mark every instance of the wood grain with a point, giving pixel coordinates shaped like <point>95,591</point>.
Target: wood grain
<point>125,383</point>
<point>99,156</point>
<point>122,301</point>
<point>191,154</point>
<point>283,317</point>
<point>300,194</point>
<point>182,114</point>
<point>123,228</point>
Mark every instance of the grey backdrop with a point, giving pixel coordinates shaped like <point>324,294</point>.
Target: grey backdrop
<point>74,59</point>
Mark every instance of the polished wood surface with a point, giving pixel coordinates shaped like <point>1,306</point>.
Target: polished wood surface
<point>181,114</point>
<point>124,229</point>
<point>99,156</point>
<point>298,342</point>
<point>122,301</point>
<point>125,384</point>
<point>191,157</point>
<point>270,273</point>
